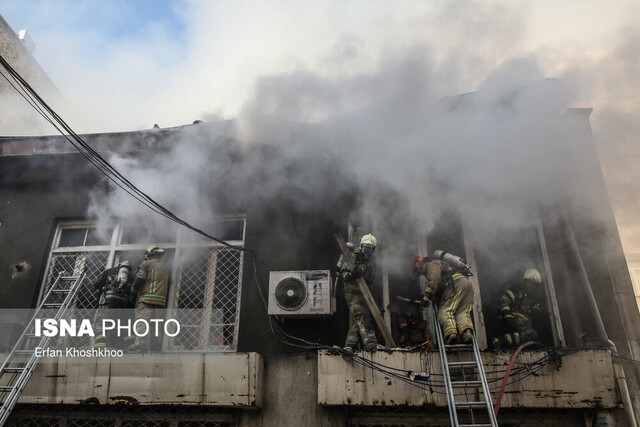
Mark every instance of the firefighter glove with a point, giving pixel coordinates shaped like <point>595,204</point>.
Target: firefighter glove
<point>536,309</point>
<point>358,271</point>
<point>425,302</point>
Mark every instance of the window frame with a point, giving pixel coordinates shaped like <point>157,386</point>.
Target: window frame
<point>179,244</point>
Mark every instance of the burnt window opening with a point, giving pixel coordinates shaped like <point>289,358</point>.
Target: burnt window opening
<point>501,264</point>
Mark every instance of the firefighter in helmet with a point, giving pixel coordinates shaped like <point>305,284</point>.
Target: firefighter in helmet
<point>447,284</point>
<point>148,292</point>
<point>114,285</point>
<point>517,308</point>
<point>362,326</point>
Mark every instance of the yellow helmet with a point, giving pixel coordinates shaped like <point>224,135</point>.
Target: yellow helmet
<point>152,251</point>
<point>368,243</point>
<point>532,275</point>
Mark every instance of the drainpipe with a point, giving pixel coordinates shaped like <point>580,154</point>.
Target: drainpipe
<point>618,370</point>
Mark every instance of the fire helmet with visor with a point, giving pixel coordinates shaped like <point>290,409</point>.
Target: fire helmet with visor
<point>532,275</point>
<point>153,251</point>
<point>368,244</point>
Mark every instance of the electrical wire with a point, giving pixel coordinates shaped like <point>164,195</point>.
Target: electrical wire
<point>32,97</point>
<point>42,108</point>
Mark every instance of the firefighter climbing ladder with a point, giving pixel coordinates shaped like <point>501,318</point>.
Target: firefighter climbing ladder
<point>460,369</point>
<point>21,361</point>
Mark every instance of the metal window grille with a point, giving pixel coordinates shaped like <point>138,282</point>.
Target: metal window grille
<point>207,300</point>
<point>205,285</point>
<point>71,264</point>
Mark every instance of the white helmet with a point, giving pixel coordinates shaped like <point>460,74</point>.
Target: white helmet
<point>124,263</point>
<point>368,244</point>
<point>532,275</point>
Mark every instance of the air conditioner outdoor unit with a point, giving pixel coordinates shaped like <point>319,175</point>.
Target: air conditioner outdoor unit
<point>301,293</point>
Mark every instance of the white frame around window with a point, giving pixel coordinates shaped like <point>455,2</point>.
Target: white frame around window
<point>114,247</point>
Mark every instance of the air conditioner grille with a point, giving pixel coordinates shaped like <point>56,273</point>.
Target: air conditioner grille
<point>290,293</point>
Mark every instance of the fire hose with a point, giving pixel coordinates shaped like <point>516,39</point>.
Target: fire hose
<point>506,375</point>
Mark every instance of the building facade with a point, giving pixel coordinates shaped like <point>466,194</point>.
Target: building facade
<point>234,363</point>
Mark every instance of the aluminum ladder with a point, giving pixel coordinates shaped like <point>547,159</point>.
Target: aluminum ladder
<point>21,361</point>
<point>460,370</point>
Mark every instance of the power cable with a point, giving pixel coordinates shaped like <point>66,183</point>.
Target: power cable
<point>95,158</point>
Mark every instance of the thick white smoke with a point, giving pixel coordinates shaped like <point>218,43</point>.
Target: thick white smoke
<point>372,78</point>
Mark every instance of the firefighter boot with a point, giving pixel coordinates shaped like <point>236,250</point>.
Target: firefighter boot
<point>451,339</point>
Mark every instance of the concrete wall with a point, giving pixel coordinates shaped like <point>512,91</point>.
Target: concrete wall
<point>581,380</point>
<point>229,380</point>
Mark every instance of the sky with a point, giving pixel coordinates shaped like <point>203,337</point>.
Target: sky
<point>127,65</point>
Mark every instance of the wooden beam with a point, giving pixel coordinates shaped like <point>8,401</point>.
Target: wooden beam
<point>373,307</point>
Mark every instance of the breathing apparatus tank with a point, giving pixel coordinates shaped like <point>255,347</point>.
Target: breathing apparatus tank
<point>453,260</point>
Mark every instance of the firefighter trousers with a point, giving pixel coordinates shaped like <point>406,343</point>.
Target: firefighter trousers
<point>520,327</point>
<point>100,341</point>
<point>361,320</point>
<point>456,303</point>
<point>148,341</point>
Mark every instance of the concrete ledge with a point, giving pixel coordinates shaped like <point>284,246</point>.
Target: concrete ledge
<point>214,379</point>
<point>581,380</point>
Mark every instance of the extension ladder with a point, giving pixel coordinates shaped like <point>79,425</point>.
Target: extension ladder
<point>460,369</point>
<point>22,360</point>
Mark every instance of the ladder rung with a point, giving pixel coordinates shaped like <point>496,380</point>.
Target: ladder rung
<point>474,425</point>
<point>466,384</point>
<point>13,370</point>
<point>24,352</point>
<point>458,346</point>
<point>61,291</point>
<point>74,278</point>
<point>462,364</point>
<point>465,405</point>
<point>52,305</point>
<point>5,389</point>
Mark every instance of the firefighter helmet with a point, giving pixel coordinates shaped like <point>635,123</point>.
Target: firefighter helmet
<point>532,275</point>
<point>368,244</point>
<point>124,263</point>
<point>418,264</point>
<point>153,251</point>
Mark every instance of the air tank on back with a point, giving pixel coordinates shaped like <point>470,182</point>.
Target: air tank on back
<point>453,260</point>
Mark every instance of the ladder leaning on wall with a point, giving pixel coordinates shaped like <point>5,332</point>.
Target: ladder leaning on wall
<point>461,371</point>
<point>22,359</point>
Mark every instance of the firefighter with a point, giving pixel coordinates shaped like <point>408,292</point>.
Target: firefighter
<point>114,285</point>
<point>148,293</point>
<point>448,284</point>
<point>362,326</point>
<point>517,308</point>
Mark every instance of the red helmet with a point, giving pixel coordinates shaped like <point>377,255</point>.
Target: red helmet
<point>418,264</point>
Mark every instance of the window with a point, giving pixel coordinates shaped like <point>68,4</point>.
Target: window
<point>205,283</point>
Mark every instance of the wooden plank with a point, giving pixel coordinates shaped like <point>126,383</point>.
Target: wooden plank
<point>375,311</point>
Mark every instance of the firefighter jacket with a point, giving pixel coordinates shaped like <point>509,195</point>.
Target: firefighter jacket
<point>517,302</point>
<point>365,266</point>
<point>439,275</point>
<point>114,285</point>
<point>152,282</point>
